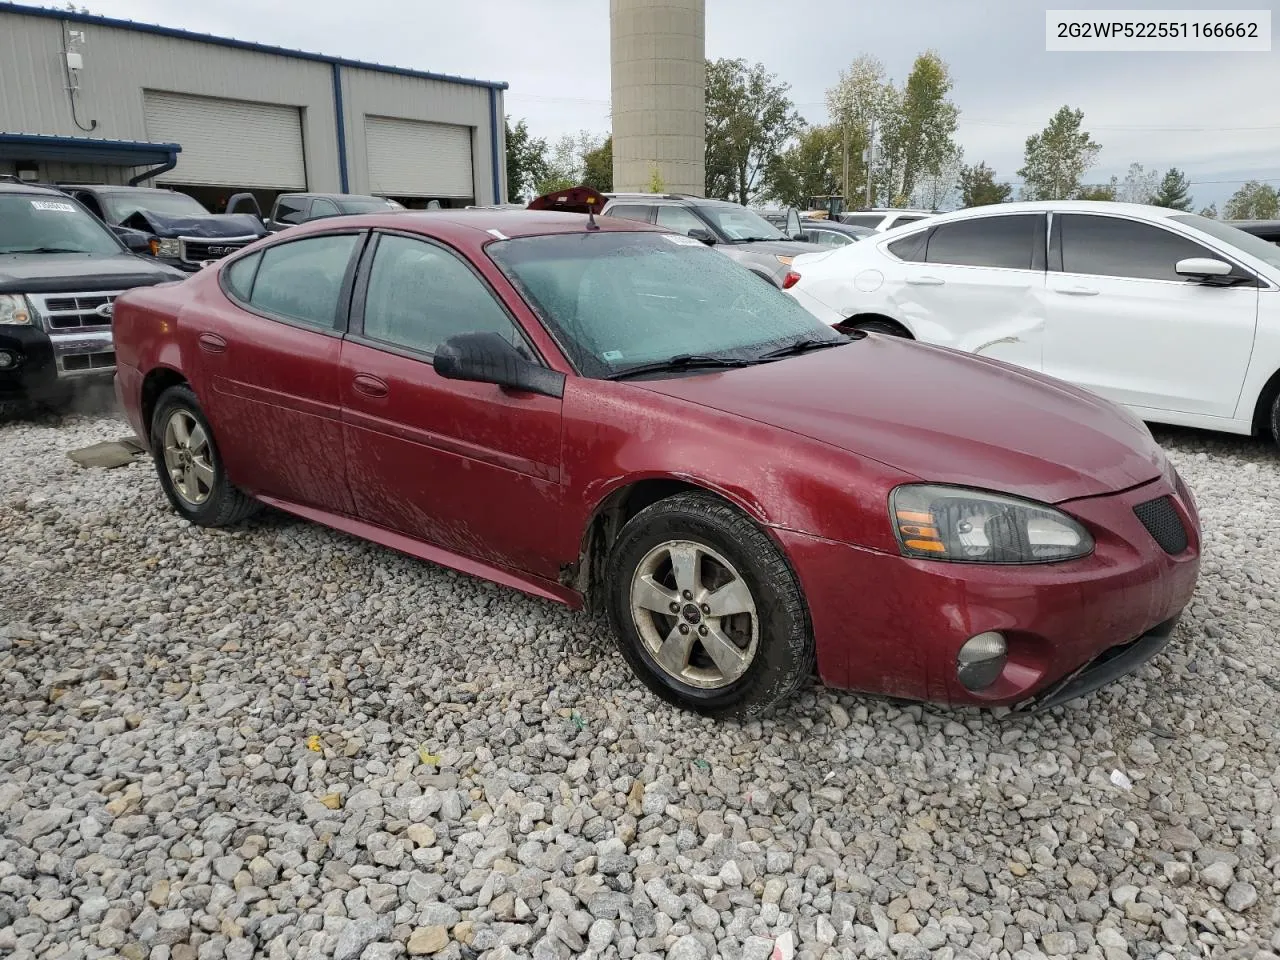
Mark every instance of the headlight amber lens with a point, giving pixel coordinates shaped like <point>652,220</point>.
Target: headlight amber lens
<point>972,526</point>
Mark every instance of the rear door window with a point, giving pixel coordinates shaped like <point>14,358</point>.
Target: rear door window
<point>302,280</point>
<point>1007,242</point>
<point>292,209</point>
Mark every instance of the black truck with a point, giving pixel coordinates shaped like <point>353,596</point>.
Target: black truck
<point>170,226</point>
<point>60,272</point>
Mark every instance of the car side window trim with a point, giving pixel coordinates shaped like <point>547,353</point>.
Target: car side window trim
<point>343,314</point>
<point>360,291</point>
<point>1258,281</point>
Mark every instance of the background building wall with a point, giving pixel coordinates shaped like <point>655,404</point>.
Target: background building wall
<point>659,80</point>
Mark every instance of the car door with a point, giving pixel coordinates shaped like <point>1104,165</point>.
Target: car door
<point>1123,324</point>
<point>978,285</point>
<point>268,356</point>
<point>470,467</point>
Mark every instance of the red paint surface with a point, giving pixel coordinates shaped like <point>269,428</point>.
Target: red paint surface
<point>503,485</point>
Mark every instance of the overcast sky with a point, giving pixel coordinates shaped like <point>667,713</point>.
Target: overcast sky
<point>1215,115</point>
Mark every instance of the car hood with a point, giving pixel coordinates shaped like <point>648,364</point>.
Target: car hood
<point>782,248</point>
<point>211,225</point>
<point>62,272</point>
<point>940,415</point>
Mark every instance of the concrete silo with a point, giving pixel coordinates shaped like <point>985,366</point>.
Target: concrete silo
<point>659,80</point>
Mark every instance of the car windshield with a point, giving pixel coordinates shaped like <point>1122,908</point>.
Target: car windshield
<point>368,205</point>
<point>739,224</point>
<point>1264,250</point>
<point>36,223</point>
<point>119,207</point>
<point>621,300</point>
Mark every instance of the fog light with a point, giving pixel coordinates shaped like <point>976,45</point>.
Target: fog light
<point>980,661</point>
<point>7,360</point>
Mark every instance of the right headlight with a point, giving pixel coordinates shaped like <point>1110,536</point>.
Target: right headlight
<point>938,522</point>
<point>14,310</point>
<point>165,248</point>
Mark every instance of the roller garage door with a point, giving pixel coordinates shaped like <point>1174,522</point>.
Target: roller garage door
<point>231,143</point>
<point>412,158</point>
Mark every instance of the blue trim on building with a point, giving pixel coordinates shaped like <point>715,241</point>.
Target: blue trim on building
<point>341,123</point>
<point>122,153</point>
<point>178,34</point>
<point>494,137</point>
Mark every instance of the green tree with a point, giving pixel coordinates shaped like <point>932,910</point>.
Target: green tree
<point>1254,201</point>
<point>526,161</point>
<point>1211,211</point>
<point>1172,192</point>
<point>750,120</point>
<point>566,165</point>
<point>597,167</point>
<point>810,167</point>
<point>978,187</point>
<point>1099,191</point>
<point>858,105</point>
<point>916,139</point>
<point>1058,157</point>
<point>656,183</point>
<point>1139,185</point>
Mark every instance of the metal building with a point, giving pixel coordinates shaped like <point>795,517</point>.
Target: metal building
<point>659,79</point>
<point>91,99</point>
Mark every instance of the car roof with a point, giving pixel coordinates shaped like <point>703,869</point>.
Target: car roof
<point>7,187</point>
<point>331,196</point>
<point>114,187</point>
<point>510,224</point>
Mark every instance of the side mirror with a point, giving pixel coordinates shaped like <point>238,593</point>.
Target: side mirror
<point>135,240</point>
<point>703,235</point>
<point>488,358</point>
<point>1202,268</point>
<point>247,201</point>
<point>793,224</point>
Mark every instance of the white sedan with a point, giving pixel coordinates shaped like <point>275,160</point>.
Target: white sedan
<point>1171,314</point>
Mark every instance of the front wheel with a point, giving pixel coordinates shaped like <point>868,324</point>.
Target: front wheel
<point>706,610</point>
<point>191,472</point>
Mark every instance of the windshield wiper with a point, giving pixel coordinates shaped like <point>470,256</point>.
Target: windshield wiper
<point>48,250</point>
<point>801,346</point>
<point>685,361</point>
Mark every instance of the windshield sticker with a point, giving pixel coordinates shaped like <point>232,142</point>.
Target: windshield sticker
<point>682,240</point>
<point>55,205</point>
<point>612,355</point>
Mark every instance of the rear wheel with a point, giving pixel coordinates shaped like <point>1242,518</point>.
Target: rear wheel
<point>188,464</point>
<point>706,609</point>
<point>1275,419</point>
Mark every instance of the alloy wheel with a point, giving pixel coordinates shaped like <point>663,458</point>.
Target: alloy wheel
<point>188,457</point>
<point>695,614</point>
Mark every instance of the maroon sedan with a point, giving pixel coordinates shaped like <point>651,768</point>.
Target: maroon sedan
<point>610,415</point>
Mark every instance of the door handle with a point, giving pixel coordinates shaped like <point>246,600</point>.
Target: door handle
<point>1079,291</point>
<point>925,281</point>
<point>212,343</point>
<point>369,386</point>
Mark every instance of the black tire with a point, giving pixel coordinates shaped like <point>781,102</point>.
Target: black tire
<point>1275,419</point>
<point>224,505</point>
<point>784,652</point>
<point>885,327</point>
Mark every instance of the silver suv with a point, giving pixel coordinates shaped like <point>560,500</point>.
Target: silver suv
<point>732,229</point>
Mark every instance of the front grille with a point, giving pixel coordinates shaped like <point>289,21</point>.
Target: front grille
<point>198,251</point>
<point>74,311</point>
<point>75,362</point>
<point>1161,519</point>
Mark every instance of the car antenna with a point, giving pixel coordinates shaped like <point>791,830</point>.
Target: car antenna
<point>591,214</point>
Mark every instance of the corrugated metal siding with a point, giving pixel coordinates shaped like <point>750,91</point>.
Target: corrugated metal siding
<point>228,142</point>
<point>366,93</point>
<point>119,64</point>
<point>410,158</point>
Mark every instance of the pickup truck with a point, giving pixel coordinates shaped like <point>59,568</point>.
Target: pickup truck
<point>174,227</point>
<point>60,272</point>
<point>291,209</point>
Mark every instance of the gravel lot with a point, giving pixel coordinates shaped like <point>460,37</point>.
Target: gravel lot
<point>276,741</point>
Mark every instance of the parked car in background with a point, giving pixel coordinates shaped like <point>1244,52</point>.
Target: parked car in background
<point>1268,230</point>
<point>291,209</point>
<point>610,414</point>
<point>178,231</point>
<point>1174,315</point>
<point>829,233</point>
<point>60,271</point>
<point>736,231</point>
<point>881,219</point>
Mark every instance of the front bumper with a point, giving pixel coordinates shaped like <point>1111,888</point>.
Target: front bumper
<point>892,625</point>
<point>43,363</point>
